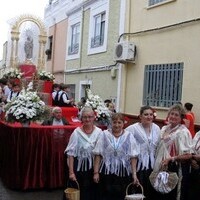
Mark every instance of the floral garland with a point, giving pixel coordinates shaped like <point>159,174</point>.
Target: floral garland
<point>46,76</point>
<point>26,107</point>
<point>13,73</point>
<point>97,104</point>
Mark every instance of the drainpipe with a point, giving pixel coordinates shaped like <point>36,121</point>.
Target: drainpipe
<point>124,68</point>
<point>81,39</point>
<point>122,82</point>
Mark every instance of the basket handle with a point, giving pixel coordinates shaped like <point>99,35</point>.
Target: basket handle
<point>78,187</point>
<point>142,190</point>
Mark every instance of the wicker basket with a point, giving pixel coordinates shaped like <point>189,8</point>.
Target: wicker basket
<point>139,196</point>
<point>72,193</point>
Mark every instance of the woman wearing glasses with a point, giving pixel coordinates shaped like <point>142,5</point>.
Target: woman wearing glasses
<point>79,152</point>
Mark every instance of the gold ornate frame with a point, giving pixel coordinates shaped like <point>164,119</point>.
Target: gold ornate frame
<point>15,39</point>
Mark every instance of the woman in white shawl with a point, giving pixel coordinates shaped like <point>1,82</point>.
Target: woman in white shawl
<point>195,164</point>
<point>147,135</point>
<point>174,151</point>
<point>79,152</point>
<point>116,154</point>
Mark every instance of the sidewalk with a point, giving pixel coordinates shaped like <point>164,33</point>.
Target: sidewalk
<point>7,194</point>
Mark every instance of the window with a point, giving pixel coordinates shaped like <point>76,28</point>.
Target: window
<point>163,84</point>
<point>99,29</point>
<point>49,50</point>
<point>153,2</point>
<point>74,44</point>
<point>72,90</point>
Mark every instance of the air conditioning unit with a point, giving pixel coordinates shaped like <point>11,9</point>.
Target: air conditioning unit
<point>125,52</point>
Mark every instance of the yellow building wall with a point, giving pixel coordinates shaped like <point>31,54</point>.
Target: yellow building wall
<point>180,42</point>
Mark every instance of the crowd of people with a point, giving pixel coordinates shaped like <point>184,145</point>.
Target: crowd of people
<point>105,162</point>
<point>8,91</point>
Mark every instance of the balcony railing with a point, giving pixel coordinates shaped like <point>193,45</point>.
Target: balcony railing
<point>97,41</point>
<point>73,49</point>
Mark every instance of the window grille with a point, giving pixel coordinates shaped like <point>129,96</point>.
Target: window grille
<point>153,2</point>
<point>163,84</point>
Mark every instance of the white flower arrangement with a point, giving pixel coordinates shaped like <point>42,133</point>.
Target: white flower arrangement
<point>44,75</point>
<point>26,107</point>
<point>97,104</point>
<point>13,73</point>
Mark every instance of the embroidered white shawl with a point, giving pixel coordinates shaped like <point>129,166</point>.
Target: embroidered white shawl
<point>116,159</point>
<point>81,145</point>
<point>182,140</point>
<point>147,144</point>
<point>196,143</point>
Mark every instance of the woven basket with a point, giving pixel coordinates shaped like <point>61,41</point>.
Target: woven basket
<point>72,193</point>
<point>134,196</point>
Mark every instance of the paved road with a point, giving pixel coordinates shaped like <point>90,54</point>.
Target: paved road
<point>7,194</point>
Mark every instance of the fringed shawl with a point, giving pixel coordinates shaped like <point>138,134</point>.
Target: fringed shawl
<point>81,145</point>
<point>147,144</point>
<point>116,159</point>
<point>196,143</point>
<point>180,140</point>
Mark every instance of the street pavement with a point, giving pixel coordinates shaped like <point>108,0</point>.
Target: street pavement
<point>7,194</point>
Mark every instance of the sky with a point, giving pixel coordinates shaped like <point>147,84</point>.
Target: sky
<point>14,8</point>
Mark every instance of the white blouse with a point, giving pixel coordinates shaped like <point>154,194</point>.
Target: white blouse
<point>196,143</point>
<point>147,144</point>
<point>81,145</point>
<point>116,152</point>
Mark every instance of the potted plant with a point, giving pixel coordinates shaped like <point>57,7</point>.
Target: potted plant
<point>47,80</point>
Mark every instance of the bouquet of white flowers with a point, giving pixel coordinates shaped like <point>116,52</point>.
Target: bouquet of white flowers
<point>13,73</point>
<point>46,76</point>
<point>97,104</point>
<point>26,107</point>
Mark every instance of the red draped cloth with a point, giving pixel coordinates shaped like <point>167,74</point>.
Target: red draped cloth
<point>28,70</point>
<point>32,158</point>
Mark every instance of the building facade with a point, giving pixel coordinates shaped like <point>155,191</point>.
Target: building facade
<point>166,68</point>
<point>89,30</point>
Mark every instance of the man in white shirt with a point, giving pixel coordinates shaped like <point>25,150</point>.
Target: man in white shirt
<point>14,92</point>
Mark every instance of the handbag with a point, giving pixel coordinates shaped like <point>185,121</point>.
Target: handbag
<point>163,181</point>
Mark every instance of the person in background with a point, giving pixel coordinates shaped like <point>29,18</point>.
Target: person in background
<point>65,99</point>
<point>80,156</point>
<point>56,119</point>
<point>174,151</point>
<point>195,171</point>
<point>189,118</point>
<point>111,107</point>
<point>147,135</point>
<point>6,88</point>
<point>81,103</point>
<point>56,94</point>
<point>116,155</point>
<point>14,92</point>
